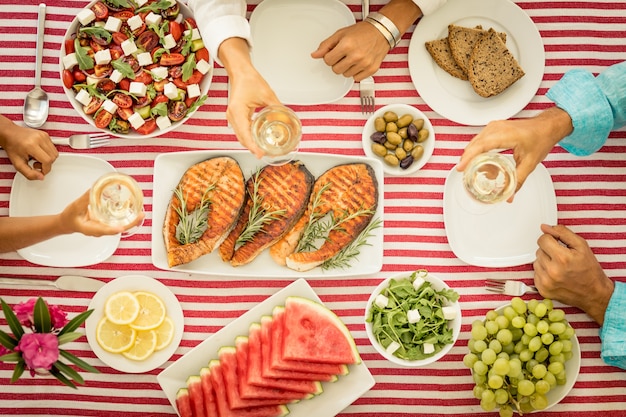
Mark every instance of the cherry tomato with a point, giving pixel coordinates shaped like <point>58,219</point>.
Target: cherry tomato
<point>195,78</point>
<point>124,15</point>
<point>142,102</point>
<point>79,76</point>
<point>132,61</point>
<point>93,105</point>
<point>175,30</point>
<point>68,78</point>
<point>202,53</point>
<point>143,77</point>
<point>159,98</point>
<point>105,86</point>
<point>124,113</point>
<point>148,127</point>
<point>189,101</point>
<point>100,10</point>
<point>147,41</point>
<point>102,70</point>
<point>159,86</point>
<point>139,30</point>
<point>176,111</point>
<point>116,52</point>
<point>171,12</point>
<point>69,46</point>
<point>96,46</point>
<point>122,100</point>
<point>178,82</point>
<point>175,71</point>
<point>172,59</point>
<point>119,37</point>
<point>191,22</point>
<point>102,119</point>
<point>124,84</point>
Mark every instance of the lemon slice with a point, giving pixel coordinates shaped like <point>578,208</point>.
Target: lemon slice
<point>121,308</point>
<point>165,333</point>
<point>151,311</point>
<point>114,338</point>
<point>144,346</point>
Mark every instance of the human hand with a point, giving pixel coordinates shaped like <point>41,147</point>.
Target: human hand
<point>355,51</point>
<point>23,144</point>
<point>566,270</point>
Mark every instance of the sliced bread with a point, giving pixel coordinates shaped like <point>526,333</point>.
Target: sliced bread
<point>462,40</point>
<point>439,49</point>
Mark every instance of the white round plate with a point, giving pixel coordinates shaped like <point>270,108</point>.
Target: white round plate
<point>204,84</point>
<point>454,98</point>
<point>285,32</point>
<point>134,283</point>
<point>71,176</point>
<point>437,284</point>
<point>399,109</point>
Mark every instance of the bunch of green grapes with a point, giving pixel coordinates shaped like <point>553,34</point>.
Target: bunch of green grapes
<point>518,355</point>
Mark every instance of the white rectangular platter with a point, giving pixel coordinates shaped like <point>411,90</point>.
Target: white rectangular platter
<point>170,167</point>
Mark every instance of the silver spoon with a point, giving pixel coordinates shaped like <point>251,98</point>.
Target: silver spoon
<point>36,103</point>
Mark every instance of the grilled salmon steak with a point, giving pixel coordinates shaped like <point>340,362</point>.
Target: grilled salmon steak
<point>343,190</point>
<point>278,195</point>
<point>219,183</point>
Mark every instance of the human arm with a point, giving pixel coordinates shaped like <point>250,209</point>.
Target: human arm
<point>613,331</point>
<point>358,50</point>
<point>20,232</point>
<point>23,144</point>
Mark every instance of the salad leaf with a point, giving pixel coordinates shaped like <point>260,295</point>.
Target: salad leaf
<point>124,68</point>
<point>189,66</point>
<point>199,102</point>
<point>157,54</point>
<point>187,38</point>
<point>124,4</point>
<point>155,7</point>
<point>98,32</point>
<point>85,62</point>
<point>159,110</point>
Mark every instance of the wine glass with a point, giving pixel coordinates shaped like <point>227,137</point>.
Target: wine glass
<point>277,131</point>
<point>490,178</point>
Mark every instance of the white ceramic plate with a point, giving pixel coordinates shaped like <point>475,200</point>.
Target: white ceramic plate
<point>170,167</point>
<point>498,235</point>
<point>336,396</point>
<point>454,98</point>
<point>134,283</point>
<point>572,368</point>
<point>285,32</point>
<point>204,84</point>
<point>438,284</point>
<point>70,177</point>
<point>400,110</point>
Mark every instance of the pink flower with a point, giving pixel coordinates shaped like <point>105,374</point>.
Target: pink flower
<point>58,317</point>
<point>24,312</point>
<point>39,350</point>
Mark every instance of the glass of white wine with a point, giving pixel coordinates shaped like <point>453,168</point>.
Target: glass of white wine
<point>277,131</point>
<point>490,178</point>
<point>116,199</point>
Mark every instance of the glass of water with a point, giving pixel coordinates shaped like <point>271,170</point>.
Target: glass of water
<point>490,178</point>
<point>116,199</point>
<point>277,131</point>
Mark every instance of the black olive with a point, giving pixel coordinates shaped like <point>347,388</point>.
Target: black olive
<point>412,132</point>
<point>378,137</point>
<point>406,162</point>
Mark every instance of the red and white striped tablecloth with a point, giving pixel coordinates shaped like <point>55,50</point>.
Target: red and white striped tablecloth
<point>591,199</point>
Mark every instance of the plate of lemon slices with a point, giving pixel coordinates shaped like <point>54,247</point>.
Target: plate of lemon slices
<point>137,324</point>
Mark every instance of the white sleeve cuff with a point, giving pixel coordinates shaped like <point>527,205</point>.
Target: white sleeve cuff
<point>429,6</point>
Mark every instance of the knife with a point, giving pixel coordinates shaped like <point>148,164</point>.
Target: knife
<point>65,282</point>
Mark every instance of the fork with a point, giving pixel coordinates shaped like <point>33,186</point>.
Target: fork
<point>84,140</point>
<point>367,95</point>
<point>509,287</point>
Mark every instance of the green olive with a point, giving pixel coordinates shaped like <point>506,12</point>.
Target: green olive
<point>422,135</point>
<point>391,159</point>
<point>380,124</point>
<point>391,127</point>
<point>419,123</point>
<point>407,145</point>
<point>390,116</point>
<point>400,153</point>
<point>417,152</point>
<point>403,132</point>
<point>390,145</point>
<point>394,138</point>
<point>405,120</point>
<point>379,149</point>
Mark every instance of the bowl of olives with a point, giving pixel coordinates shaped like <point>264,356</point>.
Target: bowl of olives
<point>401,136</point>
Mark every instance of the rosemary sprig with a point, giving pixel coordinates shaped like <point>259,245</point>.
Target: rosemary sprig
<point>314,229</point>
<point>351,251</point>
<point>259,215</point>
<point>192,225</point>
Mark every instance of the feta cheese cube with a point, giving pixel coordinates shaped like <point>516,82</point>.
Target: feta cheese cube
<point>168,41</point>
<point>113,24</point>
<point>449,312</point>
<point>69,61</point>
<point>195,33</point>
<point>193,90</point>
<point>428,348</point>
<point>135,22</point>
<point>419,281</point>
<point>413,316</point>
<point>136,121</point>
<point>109,106</point>
<point>159,73</point>
<point>144,59</point>
<point>381,301</point>
<point>91,80</point>
<point>137,88</point>
<point>203,66</point>
<point>163,122</point>
<point>171,91</point>
<point>153,19</point>
<point>83,97</point>
<point>140,2</point>
<point>86,16</point>
<point>103,57</point>
<point>393,346</point>
<point>116,76</point>
<point>129,47</point>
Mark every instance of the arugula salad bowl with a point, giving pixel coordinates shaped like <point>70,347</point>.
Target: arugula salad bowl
<point>139,54</point>
<point>413,318</point>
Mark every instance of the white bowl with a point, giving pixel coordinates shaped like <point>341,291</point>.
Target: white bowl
<point>204,84</point>
<point>454,324</point>
<point>400,109</point>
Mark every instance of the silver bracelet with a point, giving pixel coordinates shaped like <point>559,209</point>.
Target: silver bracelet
<point>388,24</point>
<point>383,31</point>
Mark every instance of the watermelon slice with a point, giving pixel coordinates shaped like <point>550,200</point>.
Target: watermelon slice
<point>183,404</point>
<point>210,405</point>
<point>314,333</point>
<point>247,391</point>
<point>254,368</point>
<point>268,372</point>
<point>196,397</point>
<point>217,379</point>
<point>277,362</point>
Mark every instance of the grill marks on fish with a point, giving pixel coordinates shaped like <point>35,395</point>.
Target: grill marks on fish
<point>285,187</point>
<point>353,188</point>
<point>226,201</point>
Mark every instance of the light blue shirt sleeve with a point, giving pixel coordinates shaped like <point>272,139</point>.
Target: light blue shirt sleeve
<point>596,105</point>
<point>613,332</point>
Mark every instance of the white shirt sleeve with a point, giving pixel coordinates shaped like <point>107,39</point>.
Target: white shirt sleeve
<point>219,20</point>
<point>429,6</point>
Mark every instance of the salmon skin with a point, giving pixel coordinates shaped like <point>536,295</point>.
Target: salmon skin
<point>219,181</point>
<point>285,188</point>
<point>342,190</point>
